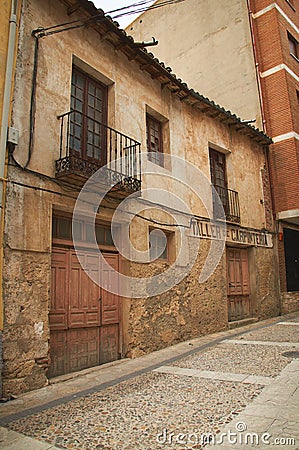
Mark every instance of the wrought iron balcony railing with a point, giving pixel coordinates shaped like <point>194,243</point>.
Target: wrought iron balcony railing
<point>230,203</point>
<point>86,145</point>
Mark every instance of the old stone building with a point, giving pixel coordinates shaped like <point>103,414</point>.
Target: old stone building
<point>244,54</point>
<point>162,165</point>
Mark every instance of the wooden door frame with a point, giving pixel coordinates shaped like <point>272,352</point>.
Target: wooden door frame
<point>245,295</point>
<point>119,338</point>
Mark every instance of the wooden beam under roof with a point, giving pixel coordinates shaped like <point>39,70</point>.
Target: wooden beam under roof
<point>73,8</point>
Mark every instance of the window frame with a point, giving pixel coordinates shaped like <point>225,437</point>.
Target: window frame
<point>82,240</point>
<point>293,45</point>
<point>160,151</point>
<point>88,79</point>
<point>213,154</point>
<point>219,187</point>
<point>167,250</point>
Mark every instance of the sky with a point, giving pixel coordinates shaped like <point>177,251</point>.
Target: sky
<point>109,5</point>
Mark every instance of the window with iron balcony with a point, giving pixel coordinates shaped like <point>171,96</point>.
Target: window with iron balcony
<point>87,143</point>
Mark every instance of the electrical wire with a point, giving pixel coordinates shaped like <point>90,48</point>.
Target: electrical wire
<point>54,29</point>
<point>109,199</point>
<point>137,11</point>
<point>51,191</point>
<point>129,6</point>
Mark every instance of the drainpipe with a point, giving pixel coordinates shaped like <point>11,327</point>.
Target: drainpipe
<point>259,88</point>
<point>260,93</point>
<point>3,146</point>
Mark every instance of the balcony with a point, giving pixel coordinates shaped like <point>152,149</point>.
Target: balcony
<point>230,203</point>
<point>86,145</point>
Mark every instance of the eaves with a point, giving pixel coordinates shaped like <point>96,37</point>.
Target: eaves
<point>109,30</point>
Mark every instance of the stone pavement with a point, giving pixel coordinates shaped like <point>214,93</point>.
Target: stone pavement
<point>236,389</point>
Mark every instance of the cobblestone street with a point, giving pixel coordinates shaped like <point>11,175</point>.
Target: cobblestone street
<point>240,381</point>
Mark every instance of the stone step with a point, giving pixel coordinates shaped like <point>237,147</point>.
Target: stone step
<point>241,323</point>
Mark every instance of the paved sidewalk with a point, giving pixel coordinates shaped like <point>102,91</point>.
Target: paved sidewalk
<point>207,385</point>
<point>272,419</point>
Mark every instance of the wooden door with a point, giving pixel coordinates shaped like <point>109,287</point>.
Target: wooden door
<point>238,284</point>
<point>84,318</point>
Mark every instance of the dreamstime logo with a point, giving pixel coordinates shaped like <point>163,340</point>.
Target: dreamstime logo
<point>239,436</point>
<point>165,194</point>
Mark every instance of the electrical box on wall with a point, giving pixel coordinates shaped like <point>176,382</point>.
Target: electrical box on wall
<point>13,136</point>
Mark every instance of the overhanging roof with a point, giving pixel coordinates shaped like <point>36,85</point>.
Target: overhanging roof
<point>109,30</point>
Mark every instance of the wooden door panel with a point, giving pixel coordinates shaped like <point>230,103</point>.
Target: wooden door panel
<point>58,353</point>
<point>84,306</point>
<point>59,289</point>
<point>110,301</point>
<point>83,348</point>
<point>245,273</point>
<point>234,275</point>
<point>109,348</point>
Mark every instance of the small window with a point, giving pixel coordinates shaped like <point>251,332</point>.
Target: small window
<point>158,244</point>
<point>103,235</point>
<point>62,228</point>
<point>293,44</point>
<point>154,140</point>
<point>297,92</point>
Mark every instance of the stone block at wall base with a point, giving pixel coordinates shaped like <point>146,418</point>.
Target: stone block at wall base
<point>289,302</point>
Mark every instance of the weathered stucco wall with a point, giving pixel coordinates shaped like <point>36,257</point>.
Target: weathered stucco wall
<point>192,36</point>
<point>264,282</point>
<point>188,310</point>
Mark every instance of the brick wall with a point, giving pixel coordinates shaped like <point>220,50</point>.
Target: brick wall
<point>292,13</point>
<point>289,302</point>
<point>279,98</point>
<point>268,42</point>
<point>283,157</point>
<point>277,105</point>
